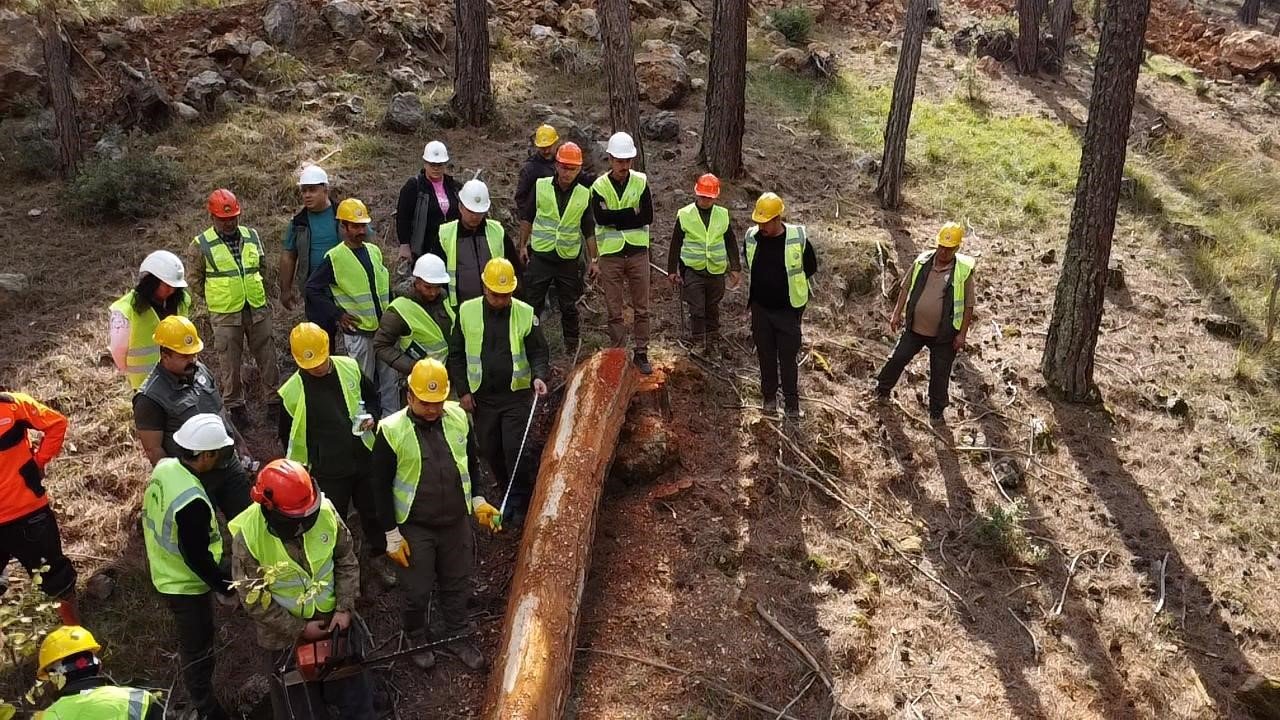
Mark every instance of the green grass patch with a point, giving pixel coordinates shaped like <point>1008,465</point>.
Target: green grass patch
<point>1009,174</point>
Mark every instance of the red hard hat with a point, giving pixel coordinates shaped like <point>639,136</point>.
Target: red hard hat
<point>286,487</point>
<point>708,186</point>
<point>223,204</point>
<point>569,154</point>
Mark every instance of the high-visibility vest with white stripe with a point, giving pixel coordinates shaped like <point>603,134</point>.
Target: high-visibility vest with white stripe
<point>401,436</point>
<point>493,236</point>
<point>304,592</point>
<point>520,324</point>
<point>426,339</point>
<point>964,266</point>
<point>703,247</point>
<point>105,702</point>
<point>553,230</point>
<point>792,258</point>
<point>144,353</point>
<point>352,291</point>
<point>294,400</point>
<point>172,488</point>
<point>230,282</point>
<point>610,240</point>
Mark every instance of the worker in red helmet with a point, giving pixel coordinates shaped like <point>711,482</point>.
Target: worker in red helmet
<point>226,259</point>
<point>295,569</point>
<point>703,249</point>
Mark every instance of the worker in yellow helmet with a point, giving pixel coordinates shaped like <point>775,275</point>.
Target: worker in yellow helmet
<point>498,360</point>
<point>424,467</point>
<point>936,300</point>
<point>179,388</point>
<point>541,163</point>
<point>780,261</point>
<point>71,653</point>
<point>351,289</point>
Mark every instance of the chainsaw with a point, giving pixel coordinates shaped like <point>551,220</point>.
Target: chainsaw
<point>316,660</point>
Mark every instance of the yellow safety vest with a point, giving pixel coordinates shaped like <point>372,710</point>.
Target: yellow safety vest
<point>493,235</point>
<point>963,269</point>
<point>294,400</point>
<point>553,231</point>
<point>144,353</point>
<point>703,246</point>
<point>611,240</point>
<point>105,702</point>
<point>352,291</point>
<point>793,258</point>
<point>230,283</point>
<point>172,488</point>
<point>426,339</point>
<point>304,592</point>
<point>471,317</point>
<point>401,436</point>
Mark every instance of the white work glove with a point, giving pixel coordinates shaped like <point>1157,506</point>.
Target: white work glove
<point>397,548</point>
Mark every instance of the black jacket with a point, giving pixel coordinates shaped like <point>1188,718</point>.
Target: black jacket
<point>407,209</point>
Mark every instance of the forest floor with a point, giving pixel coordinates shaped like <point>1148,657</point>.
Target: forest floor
<point>1132,572</point>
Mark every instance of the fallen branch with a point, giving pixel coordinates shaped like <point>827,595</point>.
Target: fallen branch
<point>1164,566</point>
<point>776,713</point>
<point>1035,644</point>
<point>1071,570</point>
<point>811,678</point>
<point>809,659</point>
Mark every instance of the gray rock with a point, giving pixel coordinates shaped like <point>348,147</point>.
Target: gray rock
<point>21,59</point>
<point>362,54</point>
<point>112,41</point>
<point>108,146</point>
<point>793,59</point>
<point>227,101</point>
<point>541,33</point>
<point>697,84</point>
<point>660,28</point>
<point>661,125</point>
<point>345,107</point>
<point>442,116</point>
<point>344,18</point>
<point>662,75</point>
<point>697,57</point>
<point>405,79</point>
<point>866,164</point>
<point>776,38</point>
<point>100,585</point>
<point>581,23</point>
<point>185,112</point>
<point>203,90</point>
<point>259,49</point>
<point>228,47</point>
<point>404,113</point>
<point>280,22</point>
<point>309,89</point>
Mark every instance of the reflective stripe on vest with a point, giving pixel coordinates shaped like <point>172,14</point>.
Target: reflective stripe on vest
<point>144,353</point>
<point>493,235</point>
<point>963,268</point>
<point>793,259</point>
<point>294,400</point>
<point>105,702</point>
<point>171,489</point>
<point>352,291</point>
<point>303,592</point>
<point>553,231</point>
<point>228,283</point>
<point>426,339</point>
<point>610,240</point>
<point>471,318</point>
<point>401,436</point>
<point>703,246</point>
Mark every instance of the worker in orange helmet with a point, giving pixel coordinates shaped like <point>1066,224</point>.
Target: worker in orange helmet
<point>703,249</point>
<point>227,260</point>
<point>28,528</point>
<point>558,224</point>
<point>294,566</point>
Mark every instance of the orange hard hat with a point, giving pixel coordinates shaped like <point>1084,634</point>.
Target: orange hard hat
<point>569,154</point>
<point>708,186</point>
<point>223,204</point>
<point>286,487</point>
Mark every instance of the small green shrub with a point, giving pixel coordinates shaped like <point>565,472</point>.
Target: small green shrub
<point>135,186</point>
<point>1000,528</point>
<point>794,23</point>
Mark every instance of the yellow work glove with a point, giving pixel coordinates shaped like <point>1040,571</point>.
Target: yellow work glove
<point>487,516</point>
<point>397,548</point>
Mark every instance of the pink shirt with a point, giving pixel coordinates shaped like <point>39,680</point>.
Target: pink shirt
<point>441,196</point>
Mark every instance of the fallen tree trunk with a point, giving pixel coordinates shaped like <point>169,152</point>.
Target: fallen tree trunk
<point>530,677</point>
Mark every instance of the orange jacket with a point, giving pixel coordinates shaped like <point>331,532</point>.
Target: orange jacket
<point>21,465</point>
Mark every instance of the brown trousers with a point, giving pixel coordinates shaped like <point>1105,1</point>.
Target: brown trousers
<point>230,330</point>
<point>702,292</point>
<point>625,279</point>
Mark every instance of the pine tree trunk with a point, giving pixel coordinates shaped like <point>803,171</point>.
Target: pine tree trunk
<point>1060,26</point>
<point>1029,12</point>
<point>620,71</point>
<point>724,119</point>
<point>889,188</point>
<point>57,59</point>
<point>1248,13</point>
<point>472,87</point>
<point>1068,359</point>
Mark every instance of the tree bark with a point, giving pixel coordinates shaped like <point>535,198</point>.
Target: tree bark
<point>472,87</point>
<point>1029,12</point>
<point>889,188</point>
<point>57,59</point>
<point>725,114</point>
<point>1248,13</point>
<point>1068,359</point>
<point>620,71</point>
<point>1060,26</point>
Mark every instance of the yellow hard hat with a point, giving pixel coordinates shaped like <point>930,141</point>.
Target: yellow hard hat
<point>353,211</point>
<point>768,207</point>
<point>62,643</point>
<point>309,344</point>
<point>499,276</point>
<point>545,136</point>
<point>178,333</point>
<point>429,381</point>
<point>951,235</point>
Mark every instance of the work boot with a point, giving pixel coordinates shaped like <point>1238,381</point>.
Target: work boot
<point>770,407</point>
<point>794,412</point>
<point>379,568</point>
<point>883,399</point>
<point>467,654</point>
<point>426,659</point>
<point>642,362</point>
<point>937,418</point>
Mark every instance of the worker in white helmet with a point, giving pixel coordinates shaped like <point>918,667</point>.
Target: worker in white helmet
<point>468,243</point>
<point>427,201</point>
<point>417,325</point>
<point>161,291</point>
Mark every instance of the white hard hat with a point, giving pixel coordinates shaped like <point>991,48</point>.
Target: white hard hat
<point>435,152</point>
<point>203,432</point>
<point>313,175</point>
<point>621,146</point>
<point>431,269</point>
<point>166,266</point>
<point>475,196</point>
